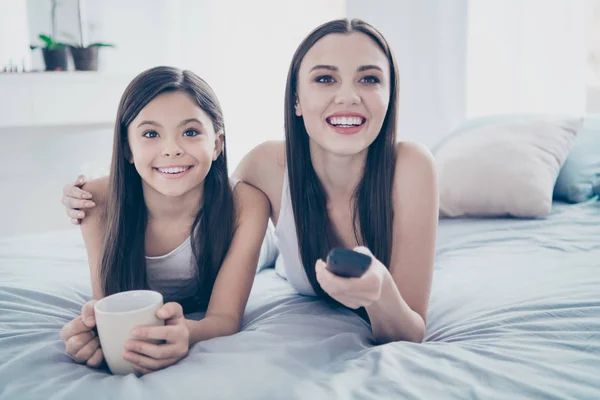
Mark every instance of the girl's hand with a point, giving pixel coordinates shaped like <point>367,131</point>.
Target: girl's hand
<point>353,292</point>
<point>81,342</point>
<point>75,200</point>
<point>148,357</point>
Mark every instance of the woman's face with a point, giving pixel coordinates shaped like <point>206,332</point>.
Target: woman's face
<point>343,92</point>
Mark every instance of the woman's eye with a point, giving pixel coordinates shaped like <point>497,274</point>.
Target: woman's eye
<point>324,79</point>
<point>150,134</point>
<point>191,133</point>
<point>371,80</point>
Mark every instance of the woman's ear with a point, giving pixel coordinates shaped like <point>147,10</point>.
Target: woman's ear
<point>298,108</point>
<point>219,140</point>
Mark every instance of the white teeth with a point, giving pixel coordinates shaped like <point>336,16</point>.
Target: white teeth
<point>173,170</point>
<point>349,121</point>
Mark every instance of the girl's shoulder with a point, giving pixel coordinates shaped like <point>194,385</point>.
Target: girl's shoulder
<point>98,188</point>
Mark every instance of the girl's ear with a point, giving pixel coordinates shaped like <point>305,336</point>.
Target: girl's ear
<point>219,140</point>
<point>127,152</point>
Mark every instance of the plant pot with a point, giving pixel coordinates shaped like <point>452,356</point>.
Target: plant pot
<point>56,59</point>
<point>85,58</point>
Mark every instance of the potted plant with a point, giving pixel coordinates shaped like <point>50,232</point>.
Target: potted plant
<point>85,57</point>
<point>56,54</point>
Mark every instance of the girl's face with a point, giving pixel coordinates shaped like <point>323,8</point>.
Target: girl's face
<point>343,92</point>
<point>173,144</point>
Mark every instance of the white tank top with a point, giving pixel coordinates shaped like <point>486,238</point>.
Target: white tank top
<point>289,265</point>
<point>174,274</point>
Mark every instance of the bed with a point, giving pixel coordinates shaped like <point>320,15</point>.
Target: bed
<point>514,313</point>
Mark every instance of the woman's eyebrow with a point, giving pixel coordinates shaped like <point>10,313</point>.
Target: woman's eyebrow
<point>367,67</point>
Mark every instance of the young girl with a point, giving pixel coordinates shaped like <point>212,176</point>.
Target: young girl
<point>170,221</point>
<point>340,179</point>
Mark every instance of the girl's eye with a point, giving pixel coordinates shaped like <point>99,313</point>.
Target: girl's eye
<point>324,79</point>
<point>191,133</point>
<point>150,134</point>
<point>371,80</point>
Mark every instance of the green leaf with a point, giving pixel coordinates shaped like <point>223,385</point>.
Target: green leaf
<point>101,45</point>
<point>47,40</point>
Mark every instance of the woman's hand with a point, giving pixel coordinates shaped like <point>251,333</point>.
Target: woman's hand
<point>353,292</point>
<point>148,357</point>
<point>76,200</point>
<point>81,342</point>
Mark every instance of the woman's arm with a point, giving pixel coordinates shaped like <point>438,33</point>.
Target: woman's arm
<point>397,298</point>
<point>76,200</point>
<point>400,313</point>
<point>234,281</point>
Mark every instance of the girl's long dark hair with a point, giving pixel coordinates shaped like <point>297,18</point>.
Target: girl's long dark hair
<point>373,208</point>
<point>123,265</point>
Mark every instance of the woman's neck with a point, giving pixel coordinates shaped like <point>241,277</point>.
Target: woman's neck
<point>173,208</point>
<point>339,175</point>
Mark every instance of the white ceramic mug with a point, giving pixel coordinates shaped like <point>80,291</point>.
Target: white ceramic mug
<point>117,315</point>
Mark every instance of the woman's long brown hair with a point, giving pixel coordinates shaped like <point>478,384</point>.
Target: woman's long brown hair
<point>373,210</point>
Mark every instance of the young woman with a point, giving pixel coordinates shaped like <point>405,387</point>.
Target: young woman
<point>169,220</point>
<point>341,179</point>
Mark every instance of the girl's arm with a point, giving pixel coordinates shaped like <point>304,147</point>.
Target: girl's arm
<point>81,342</point>
<point>92,230</point>
<point>234,281</point>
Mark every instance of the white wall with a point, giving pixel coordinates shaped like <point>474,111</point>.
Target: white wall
<point>526,57</point>
<point>14,40</point>
<point>429,41</point>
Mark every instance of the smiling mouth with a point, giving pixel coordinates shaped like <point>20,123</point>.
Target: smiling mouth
<point>173,171</point>
<point>346,122</point>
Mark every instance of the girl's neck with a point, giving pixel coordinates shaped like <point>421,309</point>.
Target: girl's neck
<point>173,208</point>
<point>339,175</point>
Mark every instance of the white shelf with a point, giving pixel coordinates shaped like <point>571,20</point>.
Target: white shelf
<point>59,98</point>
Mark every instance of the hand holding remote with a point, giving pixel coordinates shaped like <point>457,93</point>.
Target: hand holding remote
<point>349,279</point>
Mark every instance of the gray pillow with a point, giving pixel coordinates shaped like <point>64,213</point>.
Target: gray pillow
<point>503,169</point>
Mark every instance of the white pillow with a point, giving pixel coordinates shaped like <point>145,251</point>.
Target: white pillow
<point>506,169</point>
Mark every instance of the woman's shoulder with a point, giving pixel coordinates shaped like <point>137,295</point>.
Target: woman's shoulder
<point>269,154</point>
<point>411,153</point>
<point>249,200</point>
<point>263,167</point>
<point>415,166</point>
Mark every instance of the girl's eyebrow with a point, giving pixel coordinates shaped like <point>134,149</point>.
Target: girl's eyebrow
<point>187,121</point>
<point>182,123</point>
<point>154,123</point>
<point>328,67</point>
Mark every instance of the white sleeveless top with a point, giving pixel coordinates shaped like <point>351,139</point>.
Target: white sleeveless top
<point>289,264</point>
<point>174,274</point>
